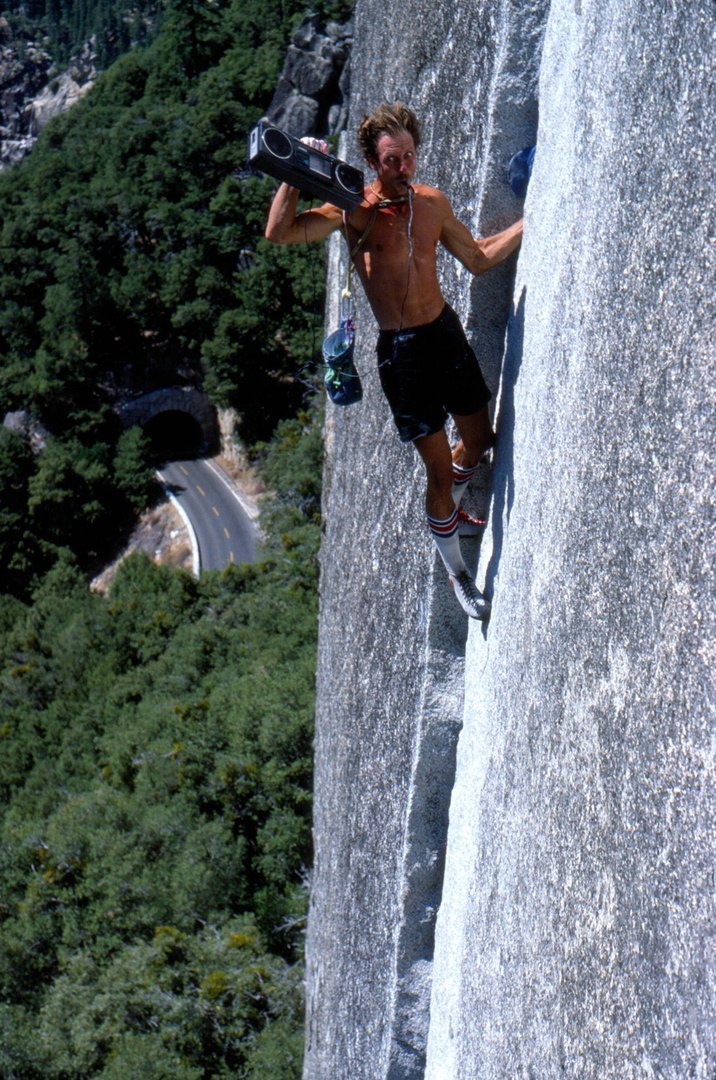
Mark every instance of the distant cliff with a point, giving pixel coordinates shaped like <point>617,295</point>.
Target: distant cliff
<point>513,873</point>
<point>32,91</point>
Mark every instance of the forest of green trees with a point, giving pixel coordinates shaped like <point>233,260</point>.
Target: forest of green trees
<point>123,266</point>
<point>155,743</point>
<point>155,767</point>
<point>65,26</point>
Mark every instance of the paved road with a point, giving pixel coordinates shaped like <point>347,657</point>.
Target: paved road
<point>224,531</point>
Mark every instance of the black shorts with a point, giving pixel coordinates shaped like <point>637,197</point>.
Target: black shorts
<point>428,372</point>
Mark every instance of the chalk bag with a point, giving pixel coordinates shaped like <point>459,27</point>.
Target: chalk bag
<point>341,380</point>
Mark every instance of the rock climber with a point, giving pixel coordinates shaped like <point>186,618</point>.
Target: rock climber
<point>427,368</point>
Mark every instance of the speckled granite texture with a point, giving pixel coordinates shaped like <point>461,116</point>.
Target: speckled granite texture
<point>572,938</point>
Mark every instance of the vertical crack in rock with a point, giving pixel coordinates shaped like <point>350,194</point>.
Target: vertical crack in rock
<point>425,832</point>
<point>390,681</point>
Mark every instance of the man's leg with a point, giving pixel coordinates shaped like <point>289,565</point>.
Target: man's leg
<point>476,437</point>
<point>435,451</point>
<point>443,520</point>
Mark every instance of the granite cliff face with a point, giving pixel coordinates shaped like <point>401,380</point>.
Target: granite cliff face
<point>513,872</point>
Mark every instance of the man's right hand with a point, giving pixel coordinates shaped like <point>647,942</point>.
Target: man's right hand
<point>284,226</point>
<point>315,144</point>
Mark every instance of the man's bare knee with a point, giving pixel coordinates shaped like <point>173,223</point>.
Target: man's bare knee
<point>476,436</point>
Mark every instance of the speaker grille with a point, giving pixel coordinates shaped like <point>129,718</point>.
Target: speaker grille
<point>277,143</point>
<point>350,179</point>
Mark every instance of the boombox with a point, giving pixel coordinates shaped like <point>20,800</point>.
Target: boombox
<point>316,174</point>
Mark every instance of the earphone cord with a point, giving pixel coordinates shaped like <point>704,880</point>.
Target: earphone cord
<point>410,256</point>
<point>407,283</point>
<point>309,368</point>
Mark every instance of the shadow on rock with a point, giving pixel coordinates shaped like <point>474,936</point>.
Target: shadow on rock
<point>503,472</point>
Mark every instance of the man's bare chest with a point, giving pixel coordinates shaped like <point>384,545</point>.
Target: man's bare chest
<point>392,230</point>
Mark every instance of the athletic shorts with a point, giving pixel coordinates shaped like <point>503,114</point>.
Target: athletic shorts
<point>428,372</point>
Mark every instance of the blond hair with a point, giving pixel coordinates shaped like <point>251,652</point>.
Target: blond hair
<point>386,120</point>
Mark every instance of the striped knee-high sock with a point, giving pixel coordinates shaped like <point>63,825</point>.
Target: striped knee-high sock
<point>447,541</point>
<point>461,477</point>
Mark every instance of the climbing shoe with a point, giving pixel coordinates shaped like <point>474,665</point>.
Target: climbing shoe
<point>471,599</point>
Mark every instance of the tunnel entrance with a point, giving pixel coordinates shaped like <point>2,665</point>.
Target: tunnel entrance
<point>179,420</point>
<point>174,435</point>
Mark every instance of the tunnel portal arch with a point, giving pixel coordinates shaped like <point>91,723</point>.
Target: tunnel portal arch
<point>143,410</point>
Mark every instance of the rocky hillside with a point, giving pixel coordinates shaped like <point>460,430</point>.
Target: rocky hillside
<point>311,96</point>
<point>512,820</point>
<point>32,91</point>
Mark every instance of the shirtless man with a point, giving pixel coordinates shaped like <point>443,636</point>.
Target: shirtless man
<point>426,366</point>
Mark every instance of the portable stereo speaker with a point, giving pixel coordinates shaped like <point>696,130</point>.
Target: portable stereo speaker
<point>316,174</point>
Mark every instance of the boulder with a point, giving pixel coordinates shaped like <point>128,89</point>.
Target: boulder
<point>28,428</point>
<point>59,96</point>
<point>310,98</point>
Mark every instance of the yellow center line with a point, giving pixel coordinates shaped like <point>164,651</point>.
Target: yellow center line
<point>183,470</point>
<point>227,534</point>
<point>231,556</point>
<point>200,490</point>
<point>216,511</point>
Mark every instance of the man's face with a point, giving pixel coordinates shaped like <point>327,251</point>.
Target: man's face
<point>395,160</point>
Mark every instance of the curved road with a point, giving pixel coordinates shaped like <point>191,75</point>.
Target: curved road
<point>223,524</point>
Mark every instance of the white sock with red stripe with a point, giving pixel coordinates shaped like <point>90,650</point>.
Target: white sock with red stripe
<point>461,477</point>
<point>447,541</point>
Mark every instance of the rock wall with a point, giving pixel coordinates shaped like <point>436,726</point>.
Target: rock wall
<point>312,93</point>
<point>391,655</point>
<point>584,791</point>
<point>572,937</point>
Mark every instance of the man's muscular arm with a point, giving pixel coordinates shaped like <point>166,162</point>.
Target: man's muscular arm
<point>284,226</point>
<point>478,255</point>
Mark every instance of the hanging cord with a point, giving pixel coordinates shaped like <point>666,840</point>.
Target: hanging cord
<point>303,375</point>
<point>359,244</point>
<point>407,283</point>
<point>314,290</point>
<point>410,255</point>
<point>353,251</point>
<point>306,370</point>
